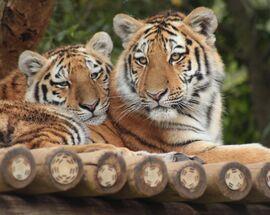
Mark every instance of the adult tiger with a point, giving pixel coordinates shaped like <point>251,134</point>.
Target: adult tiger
<point>75,77</point>
<point>166,88</point>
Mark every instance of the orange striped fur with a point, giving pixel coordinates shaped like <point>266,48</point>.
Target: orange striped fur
<point>37,125</point>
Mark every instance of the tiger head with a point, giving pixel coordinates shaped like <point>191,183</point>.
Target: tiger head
<point>169,64</point>
<point>75,77</point>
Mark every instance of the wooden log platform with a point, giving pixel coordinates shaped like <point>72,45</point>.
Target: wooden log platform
<point>112,182</point>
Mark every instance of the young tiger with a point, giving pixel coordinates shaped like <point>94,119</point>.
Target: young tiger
<point>75,77</point>
<point>166,89</point>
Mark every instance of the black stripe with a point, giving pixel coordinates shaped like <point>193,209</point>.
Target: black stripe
<point>130,84</point>
<point>34,137</point>
<point>47,76</point>
<point>114,132</point>
<point>189,42</point>
<point>187,114</point>
<point>210,110</point>
<point>206,62</point>
<point>44,92</point>
<point>197,55</point>
<point>36,94</point>
<point>205,56</point>
<point>184,143</point>
<point>174,126</point>
<point>14,81</point>
<point>4,92</point>
<point>100,135</point>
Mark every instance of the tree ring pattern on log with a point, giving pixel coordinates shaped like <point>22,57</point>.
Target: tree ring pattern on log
<point>64,168</point>
<point>263,180</point>
<point>149,176</point>
<point>152,175</point>
<point>107,175</point>
<point>110,173</point>
<point>20,168</point>
<point>235,179</point>
<point>190,177</point>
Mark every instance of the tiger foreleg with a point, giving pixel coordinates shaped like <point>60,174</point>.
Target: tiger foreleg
<point>211,153</point>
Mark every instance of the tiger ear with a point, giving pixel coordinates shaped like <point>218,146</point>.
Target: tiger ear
<point>30,63</point>
<point>125,26</point>
<point>101,42</point>
<point>203,21</point>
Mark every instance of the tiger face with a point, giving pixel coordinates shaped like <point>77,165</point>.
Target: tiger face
<point>75,77</point>
<point>169,65</point>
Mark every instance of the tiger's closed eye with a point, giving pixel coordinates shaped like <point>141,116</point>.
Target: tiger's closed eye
<point>177,57</point>
<point>142,60</point>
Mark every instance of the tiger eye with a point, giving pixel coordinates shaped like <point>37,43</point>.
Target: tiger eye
<point>176,56</point>
<point>95,75</point>
<point>142,60</point>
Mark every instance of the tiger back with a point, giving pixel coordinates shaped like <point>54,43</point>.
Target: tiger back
<point>37,125</point>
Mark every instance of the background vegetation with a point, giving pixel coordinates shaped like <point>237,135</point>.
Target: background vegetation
<point>243,39</point>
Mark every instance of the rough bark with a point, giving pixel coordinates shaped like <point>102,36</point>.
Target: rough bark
<point>257,59</point>
<point>22,24</point>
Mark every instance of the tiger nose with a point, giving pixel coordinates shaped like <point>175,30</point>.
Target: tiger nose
<point>90,107</point>
<point>157,96</point>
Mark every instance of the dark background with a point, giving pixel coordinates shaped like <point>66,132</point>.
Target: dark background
<point>243,40</point>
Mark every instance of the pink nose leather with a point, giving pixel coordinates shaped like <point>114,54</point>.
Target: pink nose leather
<point>157,96</point>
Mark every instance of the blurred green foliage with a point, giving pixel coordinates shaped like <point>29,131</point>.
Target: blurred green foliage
<point>76,21</point>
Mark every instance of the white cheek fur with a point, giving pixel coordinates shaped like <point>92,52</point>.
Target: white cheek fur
<point>162,115</point>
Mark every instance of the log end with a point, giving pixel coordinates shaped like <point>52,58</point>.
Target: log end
<point>188,179</point>
<point>65,169</point>
<point>18,167</point>
<point>150,176</point>
<point>111,173</point>
<point>234,181</point>
<point>263,180</point>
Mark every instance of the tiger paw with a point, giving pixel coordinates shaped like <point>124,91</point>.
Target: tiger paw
<point>178,157</point>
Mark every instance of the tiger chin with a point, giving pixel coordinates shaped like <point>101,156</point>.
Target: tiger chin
<point>167,82</point>
<point>74,77</point>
